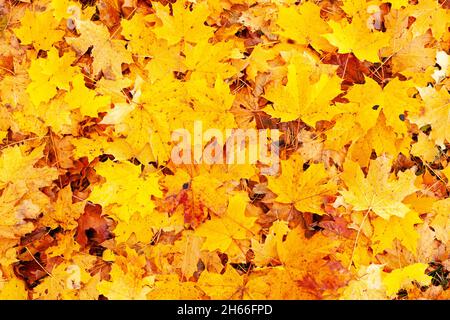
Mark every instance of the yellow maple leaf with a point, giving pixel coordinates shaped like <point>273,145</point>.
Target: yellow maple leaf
<point>430,14</point>
<point>128,279</point>
<point>16,166</point>
<point>368,285</point>
<point>61,8</point>
<point>301,256</point>
<point>227,286</point>
<point>267,251</point>
<point>305,189</point>
<point>218,55</point>
<point>402,229</point>
<point>357,38</point>
<point>410,52</point>
<point>137,32</point>
<point>436,113</point>
<point>126,189</point>
<point>65,213</point>
<point>220,232</point>
<point>403,278</point>
<point>368,99</point>
<point>13,289</point>
<point>184,24</point>
<point>55,114</point>
<point>48,75</point>
<point>302,98</point>
<point>39,29</point>
<point>165,60</point>
<point>89,102</point>
<point>147,226</point>
<point>144,121</point>
<point>375,284</point>
<point>383,139</point>
<point>190,254</point>
<point>108,53</point>
<point>424,148</point>
<point>210,103</point>
<point>441,220</point>
<point>258,61</point>
<point>303,24</point>
<point>66,247</point>
<point>274,283</point>
<point>377,192</point>
<point>96,146</point>
<point>169,287</point>
<point>345,130</point>
<point>63,284</point>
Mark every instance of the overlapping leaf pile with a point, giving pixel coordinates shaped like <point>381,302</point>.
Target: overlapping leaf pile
<point>92,206</point>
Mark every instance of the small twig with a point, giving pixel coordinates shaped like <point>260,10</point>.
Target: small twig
<point>35,260</point>
<point>357,237</point>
